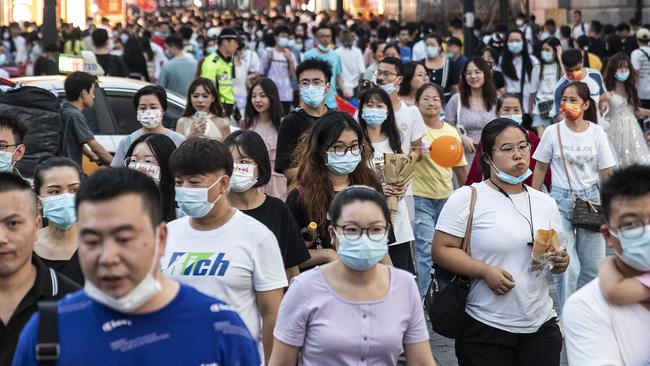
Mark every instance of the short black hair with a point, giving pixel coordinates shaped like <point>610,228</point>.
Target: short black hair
<point>50,163</point>
<point>156,90</point>
<point>100,37</point>
<point>174,41</point>
<point>571,57</point>
<point>596,26</point>
<point>11,182</point>
<point>623,27</point>
<point>250,144</point>
<point>395,62</point>
<point>576,11</point>
<point>281,29</point>
<point>456,23</point>
<point>186,32</point>
<point>199,155</point>
<point>76,82</point>
<point>549,22</point>
<point>315,64</point>
<point>111,183</point>
<point>489,136</point>
<point>10,120</point>
<point>629,182</point>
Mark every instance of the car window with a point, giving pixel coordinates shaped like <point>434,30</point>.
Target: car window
<point>98,117</point>
<point>121,104</point>
<point>174,112</point>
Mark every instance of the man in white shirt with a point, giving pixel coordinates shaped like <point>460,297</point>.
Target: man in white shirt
<point>351,61</point>
<point>596,332</point>
<point>217,249</point>
<point>579,28</point>
<point>640,59</point>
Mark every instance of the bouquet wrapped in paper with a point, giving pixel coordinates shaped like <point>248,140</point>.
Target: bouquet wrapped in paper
<point>398,169</point>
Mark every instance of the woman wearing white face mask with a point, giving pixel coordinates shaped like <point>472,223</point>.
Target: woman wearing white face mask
<point>437,64</point>
<point>354,308</point>
<point>149,154</point>
<point>150,104</point>
<point>519,68</point>
<point>252,170</point>
<point>377,120</point>
<point>509,317</point>
<point>543,88</point>
<point>56,181</point>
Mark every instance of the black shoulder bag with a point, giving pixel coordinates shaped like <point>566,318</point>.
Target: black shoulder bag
<point>445,299</point>
<point>47,344</point>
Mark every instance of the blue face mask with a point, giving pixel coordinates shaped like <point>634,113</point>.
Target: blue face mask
<point>323,48</point>
<point>194,201</point>
<point>211,49</point>
<point>636,252</point>
<point>374,116</point>
<point>388,88</point>
<point>60,210</point>
<point>313,95</point>
<point>509,179</point>
<point>431,51</point>
<point>3,59</point>
<point>515,117</point>
<point>283,42</point>
<point>547,56</point>
<point>345,164</point>
<point>363,253</point>
<point>622,75</point>
<point>5,161</point>
<point>515,47</point>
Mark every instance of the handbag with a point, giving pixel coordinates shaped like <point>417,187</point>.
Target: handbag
<point>586,214</point>
<point>447,293</point>
<point>545,108</point>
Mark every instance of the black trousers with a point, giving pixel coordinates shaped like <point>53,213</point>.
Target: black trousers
<point>401,257</point>
<point>482,345</point>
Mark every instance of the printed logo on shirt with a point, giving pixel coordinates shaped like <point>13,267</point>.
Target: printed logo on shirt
<point>197,264</point>
<point>404,127</point>
<point>215,308</point>
<point>112,324</point>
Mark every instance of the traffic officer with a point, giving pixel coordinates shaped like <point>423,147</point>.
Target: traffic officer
<point>219,66</point>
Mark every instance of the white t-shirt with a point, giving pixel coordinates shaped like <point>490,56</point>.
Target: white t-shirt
<point>411,125</point>
<point>578,30</point>
<point>500,238</point>
<point>545,87</point>
<point>230,263</point>
<point>352,64</point>
<point>419,51</point>
<point>586,153</point>
<point>514,86</point>
<point>597,333</point>
<point>402,225</point>
<point>641,63</point>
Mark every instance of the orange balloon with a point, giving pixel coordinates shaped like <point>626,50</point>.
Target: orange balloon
<point>446,151</point>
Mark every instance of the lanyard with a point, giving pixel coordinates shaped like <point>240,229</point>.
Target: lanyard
<point>530,210</point>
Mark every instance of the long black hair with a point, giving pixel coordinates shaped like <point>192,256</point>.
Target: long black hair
<point>249,143</point>
<point>507,66</point>
<point>408,72</point>
<point>162,147</point>
<point>275,105</point>
<point>553,43</point>
<point>389,127</point>
<point>591,114</point>
<point>488,91</point>
<point>489,137</point>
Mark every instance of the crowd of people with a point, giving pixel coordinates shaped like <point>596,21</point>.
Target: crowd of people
<point>261,229</point>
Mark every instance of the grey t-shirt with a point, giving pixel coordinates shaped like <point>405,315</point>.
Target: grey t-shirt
<point>125,144</point>
<point>75,132</point>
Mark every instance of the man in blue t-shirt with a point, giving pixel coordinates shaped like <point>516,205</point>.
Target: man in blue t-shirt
<point>324,52</point>
<point>129,313</point>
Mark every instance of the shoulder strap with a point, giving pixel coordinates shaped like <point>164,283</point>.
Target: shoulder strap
<point>47,344</point>
<point>645,53</point>
<point>466,245</point>
<point>269,61</point>
<point>566,170</point>
<point>445,74</point>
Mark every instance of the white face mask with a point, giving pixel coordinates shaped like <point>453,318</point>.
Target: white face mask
<point>149,169</point>
<point>138,296</point>
<point>243,177</point>
<point>150,118</point>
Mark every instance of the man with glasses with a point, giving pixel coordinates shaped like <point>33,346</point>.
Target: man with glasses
<point>216,248</point>
<point>597,332</point>
<point>313,76</point>
<point>12,135</point>
<point>408,118</point>
<point>324,52</point>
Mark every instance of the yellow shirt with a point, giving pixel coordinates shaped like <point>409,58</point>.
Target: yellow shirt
<point>432,180</point>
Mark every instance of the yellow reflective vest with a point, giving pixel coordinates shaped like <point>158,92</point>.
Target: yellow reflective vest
<point>218,69</point>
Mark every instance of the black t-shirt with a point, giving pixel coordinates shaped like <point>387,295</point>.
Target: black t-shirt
<point>499,81</point>
<point>293,126</point>
<point>436,76</point>
<point>69,268</point>
<point>300,214</point>
<point>275,215</point>
<point>112,65</point>
<point>45,66</point>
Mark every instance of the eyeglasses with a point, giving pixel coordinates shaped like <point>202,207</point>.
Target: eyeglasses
<point>4,147</point>
<point>354,232</point>
<point>632,229</point>
<point>509,149</point>
<point>341,150</point>
<point>384,74</point>
<point>305,83</point>
<point>431,99</point>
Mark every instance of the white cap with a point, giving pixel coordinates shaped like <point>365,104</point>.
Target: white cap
<point>213,33</point>
<point>643,34</point>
